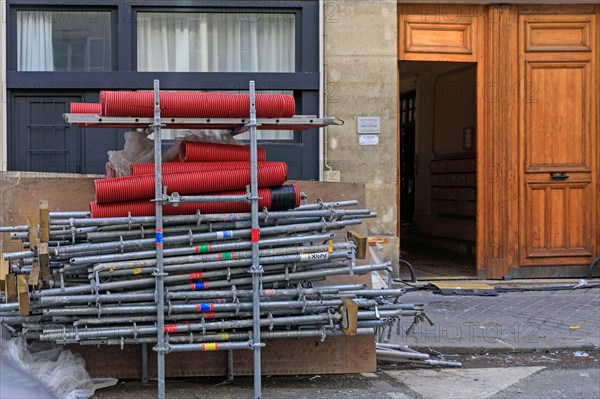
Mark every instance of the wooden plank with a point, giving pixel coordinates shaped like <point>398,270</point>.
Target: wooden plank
<point>44,221</point>
<point>335,355</point>
<point>23,295</point>
<point>34,276</point>
<point>361,243</point>
<point>4,270</point>
<point>11,288</point>
<point>350,316</point>
<point>44,260</point>
<point>32,232</point>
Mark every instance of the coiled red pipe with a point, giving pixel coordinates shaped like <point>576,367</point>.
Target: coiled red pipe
<point>193,151</point>
<point>139,169</point>
<point>131,188</point>
<point>86,108</point>
<point>195,104</point>
<point>147,208</point>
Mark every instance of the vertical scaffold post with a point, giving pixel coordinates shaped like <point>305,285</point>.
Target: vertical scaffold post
<point>159,272</point>
<point>256,268</point>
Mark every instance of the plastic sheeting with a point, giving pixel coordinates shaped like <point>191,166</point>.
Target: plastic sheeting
<point>61,371</point>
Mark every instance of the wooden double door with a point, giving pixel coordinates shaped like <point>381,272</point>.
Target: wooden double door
<point>538,128</point>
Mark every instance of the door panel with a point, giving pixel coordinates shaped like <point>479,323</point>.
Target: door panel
<point>558,135</point>
<point>440,33</point>
<point>558,222</point>
<point>558,126</point>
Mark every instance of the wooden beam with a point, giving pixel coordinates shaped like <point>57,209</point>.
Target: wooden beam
<point>349,312</point>
<point>44,221</point>
<point>32,231</point>
<point>360,241</point>
<point>44,260</point>
<point>11,288</point>
<point>4,270</point>
<point>23,295</point>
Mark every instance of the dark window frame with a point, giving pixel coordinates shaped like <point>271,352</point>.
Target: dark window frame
<point>12,35</point>
<point>304,82</point>
<point>124,74</point>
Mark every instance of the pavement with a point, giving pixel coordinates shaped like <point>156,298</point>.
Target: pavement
<point>510,322</point>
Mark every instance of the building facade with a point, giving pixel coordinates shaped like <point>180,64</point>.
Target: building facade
<point>486,114</point>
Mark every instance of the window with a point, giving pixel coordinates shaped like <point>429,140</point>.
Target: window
<point>64,41</point>
<point>216,42</point>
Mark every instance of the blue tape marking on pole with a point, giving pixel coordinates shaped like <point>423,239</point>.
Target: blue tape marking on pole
<point>159,238</point>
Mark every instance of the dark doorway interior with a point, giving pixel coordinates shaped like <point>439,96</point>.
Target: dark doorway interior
<point>438,114</point>
<point>407,155</point>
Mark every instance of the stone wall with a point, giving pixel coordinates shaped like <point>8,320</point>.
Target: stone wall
<point>361,79</point>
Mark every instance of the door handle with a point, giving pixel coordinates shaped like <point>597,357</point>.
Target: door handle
<point>559,175</point>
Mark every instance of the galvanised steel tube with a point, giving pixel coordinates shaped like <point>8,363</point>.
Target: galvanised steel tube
<point>173,318</point>
<point>202,307</point>
<point>13,229</point>
<point>213,346</point>
<point>235,293</point>
<point>197,268</point>
<point>202,262</point>
<point>183,219</point>
<point>159,274</point>
<point>112,235</point>
<point>73,214</point>
<point>299,276</point>
<point>325,205</point>
<point>112,332</point>
<point>332,319</point>
<point>256,268</point>
<point>54,234</point>
<point>101,298</point>
<point>184,239</point>
<point>295,217</point>
<point>200,248</point>
<point>321,333</point>
<point>181,295</point>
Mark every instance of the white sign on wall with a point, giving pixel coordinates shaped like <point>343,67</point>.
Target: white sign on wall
<point>368,124</point>
<point>368,139</point>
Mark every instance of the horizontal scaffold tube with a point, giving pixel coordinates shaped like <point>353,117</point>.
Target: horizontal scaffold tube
<point>200,237</point>
<point>198,249</point>
<point>304,333</point>
<point>192,260</point>
<point>186,219</point>
<point>148,282</point>
<point>202,307</point>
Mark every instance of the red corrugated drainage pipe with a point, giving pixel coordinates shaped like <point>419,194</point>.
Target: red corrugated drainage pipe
<point>139,169</point>
<point>86,108</point>
<point>193,151</point>
<point>274,199</point>
<point>195,104</point>
<point>131,188</point>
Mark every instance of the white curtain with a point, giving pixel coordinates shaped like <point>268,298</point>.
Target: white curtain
<point>216,42</point>
<point>34,47</point>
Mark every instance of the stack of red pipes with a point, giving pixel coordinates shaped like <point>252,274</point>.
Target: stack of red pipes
<point>205,168</point>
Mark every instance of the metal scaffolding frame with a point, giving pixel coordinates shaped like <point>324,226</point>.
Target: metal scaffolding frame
<point>235,126</point>
<point>85,294</point>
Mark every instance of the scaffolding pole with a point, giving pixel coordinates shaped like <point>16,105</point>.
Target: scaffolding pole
<point>256,268</point>
<point>159,272</point>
